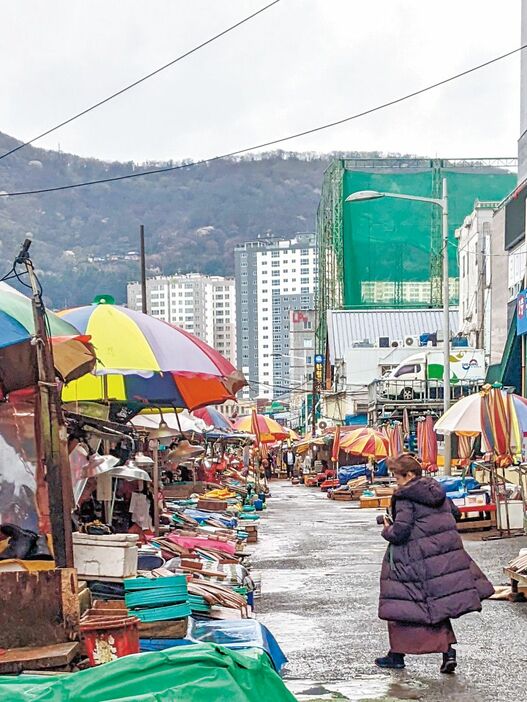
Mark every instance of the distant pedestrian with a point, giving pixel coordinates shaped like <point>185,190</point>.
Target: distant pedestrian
<point>427,578</point>
<point>289,460</point>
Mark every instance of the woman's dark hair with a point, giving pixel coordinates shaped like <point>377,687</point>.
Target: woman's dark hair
<point>405,463</point>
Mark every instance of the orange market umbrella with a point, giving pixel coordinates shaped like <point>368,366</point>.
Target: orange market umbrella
<point>336,446</point>
<point>367,442</point>
<point>264,428</point>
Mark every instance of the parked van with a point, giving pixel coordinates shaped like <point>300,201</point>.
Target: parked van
<point>414,375</point>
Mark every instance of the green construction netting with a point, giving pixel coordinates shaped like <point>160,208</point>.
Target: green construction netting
<point>389,240</point>
<point>197,673</point>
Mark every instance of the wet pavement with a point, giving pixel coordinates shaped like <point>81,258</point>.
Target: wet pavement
<point>320,562</point>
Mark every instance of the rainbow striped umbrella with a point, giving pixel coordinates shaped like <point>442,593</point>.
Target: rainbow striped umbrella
<point>497,412</point>
<point>266,430</point>
<point>367,442</point>
<point>72,353</point>
<point>141,359</point>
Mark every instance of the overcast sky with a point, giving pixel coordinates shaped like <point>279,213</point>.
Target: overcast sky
<point>300,64</point>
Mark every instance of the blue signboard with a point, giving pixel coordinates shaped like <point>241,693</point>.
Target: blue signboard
<point>521,313</point>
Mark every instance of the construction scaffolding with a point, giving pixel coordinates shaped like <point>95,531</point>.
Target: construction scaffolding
<point>388,253</point>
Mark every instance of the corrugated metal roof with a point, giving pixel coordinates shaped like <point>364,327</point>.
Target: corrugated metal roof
<point>348,326</point>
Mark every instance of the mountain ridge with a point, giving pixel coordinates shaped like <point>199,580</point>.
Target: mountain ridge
<point>85,238</point>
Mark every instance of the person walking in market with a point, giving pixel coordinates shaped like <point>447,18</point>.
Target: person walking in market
<point>427,577</point>
<point>289,460</point>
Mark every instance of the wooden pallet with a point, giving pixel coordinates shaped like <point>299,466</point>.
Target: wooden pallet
<point>16,660</point>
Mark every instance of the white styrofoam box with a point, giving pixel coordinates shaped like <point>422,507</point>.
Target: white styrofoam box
<point>515,514</point>
<point>105,556</point>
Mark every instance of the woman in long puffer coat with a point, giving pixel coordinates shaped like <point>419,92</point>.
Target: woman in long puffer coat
<point>427,577</point>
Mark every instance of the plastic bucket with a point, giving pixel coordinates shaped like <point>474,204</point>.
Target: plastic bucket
<point>258,505</point>
<point>109,637</point>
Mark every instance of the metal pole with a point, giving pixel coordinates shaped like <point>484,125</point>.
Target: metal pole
<point>446,327</point>
<point>306,409</point>
<point>155,485</point>
<point>143,269</point>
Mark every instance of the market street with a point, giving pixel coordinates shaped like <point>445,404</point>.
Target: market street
<point>320,563</point>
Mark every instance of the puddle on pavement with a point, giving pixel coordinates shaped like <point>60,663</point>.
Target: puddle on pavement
<point>372,688</point>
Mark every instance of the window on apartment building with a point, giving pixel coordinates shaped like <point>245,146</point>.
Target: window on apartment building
<point>276,282</point>
<point>304,261</point>
<point>275,254</point>
<point>304,281</point>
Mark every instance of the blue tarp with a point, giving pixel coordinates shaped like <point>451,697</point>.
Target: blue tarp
<point>202,517</point>
<point>347,473</point>
<point>455,484</point>
<point>235,634</point>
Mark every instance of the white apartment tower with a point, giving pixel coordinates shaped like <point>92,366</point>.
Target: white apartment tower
<point>200,304</point>
<point>273,277</point>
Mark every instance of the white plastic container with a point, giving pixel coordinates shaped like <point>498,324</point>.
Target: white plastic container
<point>112,556</point>
<point>515,514</point>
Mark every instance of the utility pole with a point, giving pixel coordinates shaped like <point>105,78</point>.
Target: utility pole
<point>143,268</point>
<point>52,443</point>
<point>446,326</point>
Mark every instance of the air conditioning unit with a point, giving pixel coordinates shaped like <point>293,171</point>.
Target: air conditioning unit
<point>322,424</point>
<point>396,343</point>
<point>412,341</point>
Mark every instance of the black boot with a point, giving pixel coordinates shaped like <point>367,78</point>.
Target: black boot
<point>21,542</point>
<point>40,551</point>
<point>392,660</point>
<point>449,662</point>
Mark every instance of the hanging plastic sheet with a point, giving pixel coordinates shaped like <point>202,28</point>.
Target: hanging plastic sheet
<point>23,493</point>
<point>198,673</point>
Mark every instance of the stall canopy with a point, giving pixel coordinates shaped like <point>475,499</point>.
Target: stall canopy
<point>267,430</point>
<point>72,352</point>
<point>367,442</point>
<point>141,359</point>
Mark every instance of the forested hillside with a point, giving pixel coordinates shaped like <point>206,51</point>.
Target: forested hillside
<point>193,217</point>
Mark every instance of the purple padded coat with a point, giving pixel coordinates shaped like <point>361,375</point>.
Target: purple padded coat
<point>427,576</point>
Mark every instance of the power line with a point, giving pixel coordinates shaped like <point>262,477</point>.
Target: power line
<point>141,80</point>
<point>273,142</point>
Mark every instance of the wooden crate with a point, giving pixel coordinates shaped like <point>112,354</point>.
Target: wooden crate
<point>375,502</point>
<point>341,496</point>
<point>38,609</point>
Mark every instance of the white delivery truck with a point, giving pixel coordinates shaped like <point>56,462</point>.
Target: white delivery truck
<point>421,375</point>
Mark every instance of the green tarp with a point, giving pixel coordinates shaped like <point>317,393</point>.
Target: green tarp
<point>389,240</point>
<point>198,673</point>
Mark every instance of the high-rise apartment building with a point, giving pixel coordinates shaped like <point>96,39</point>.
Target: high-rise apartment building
<point>203,305</point>
<point>273,277</point>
